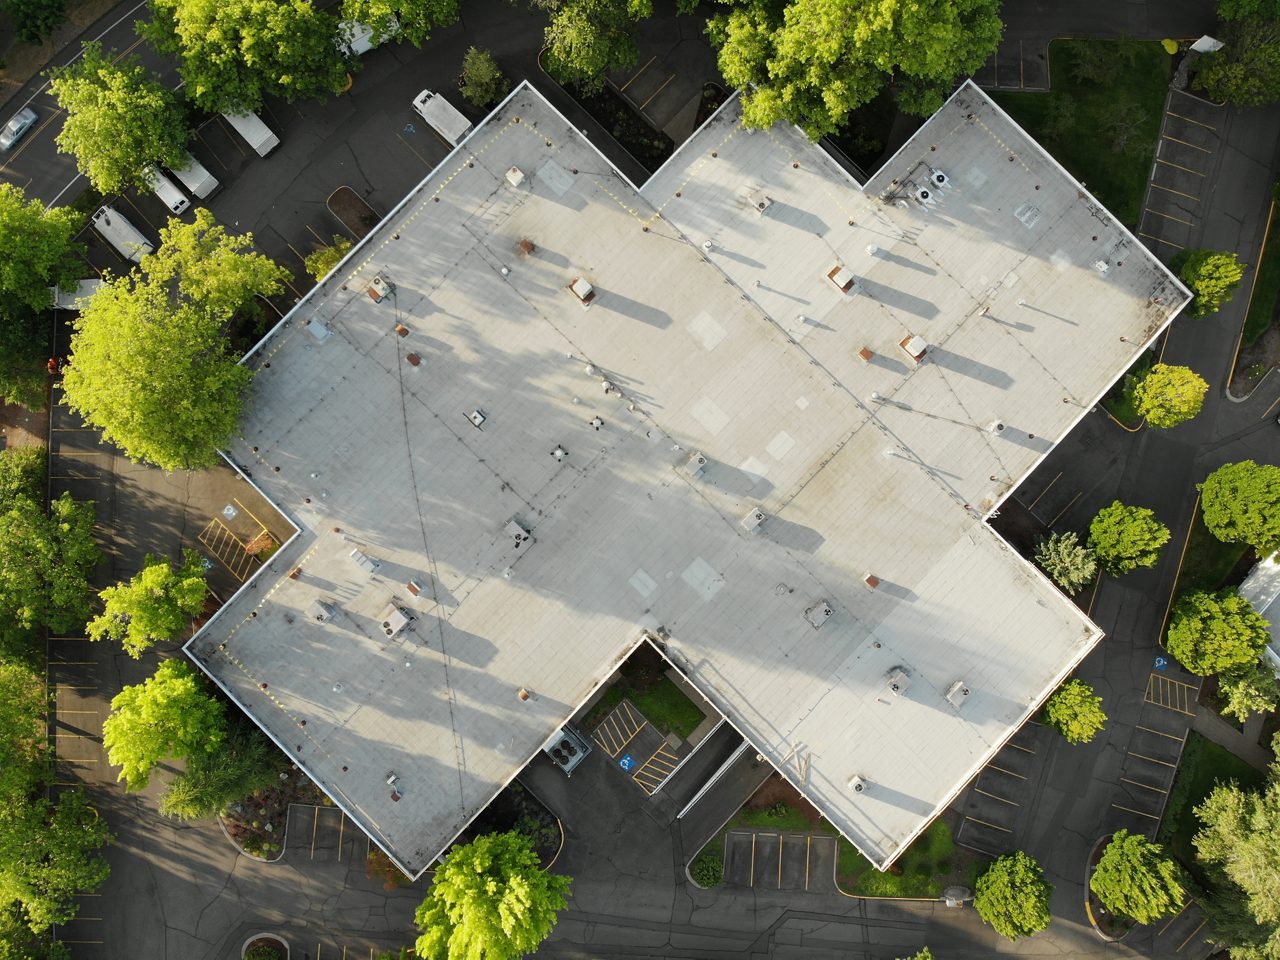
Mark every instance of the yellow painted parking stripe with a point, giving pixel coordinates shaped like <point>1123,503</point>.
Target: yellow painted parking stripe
<point>1149,816</point>
<point>1019,747</point>
<point>1190,120</point>
<point>1142,756</point>
<point>808,849</point>
<point>992,766</point>
<point>1193,933</point>
<point>1151,236</point>
<point>1189,223</point>
<point>994,797</point>
<point>636,75</point>
<point>1186,144</point>
<point>994,826</point>
<point>1189,196</point>
<point>1174,917</point>
<point>1170,163</point>
<point>752,881</point>
<point>1139,783</point>
<point>1157,732</point>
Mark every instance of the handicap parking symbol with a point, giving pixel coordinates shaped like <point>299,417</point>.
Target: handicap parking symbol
<point>1161,662</point>
<point>409,128</point>
<point>626,763</point>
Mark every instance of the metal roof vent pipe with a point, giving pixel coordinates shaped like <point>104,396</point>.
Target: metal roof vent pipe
<point>523,694</point>
<point>996,427</point>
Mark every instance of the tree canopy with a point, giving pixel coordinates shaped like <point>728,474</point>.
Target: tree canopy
<point>1068,562</point>
<point>245,761</point>
<point>1075,711</point>
<point>411,19</point>
<point>481,81</point>
<point>37,250</point>
<point>1013,896</point>
<point>119,119</point>
<point>1247,689</point>
<point>1135,879</point>
<point>1125,538</point>
<point>1212,275</point>
<point>811,62</point>
<point>35,20</point>
<point>234,53</point>
<point>1246,71</point>
<point>167,715</point>
<point>489,899</point>
<point>588,38</point>
<point>155,606</point>
<point>1240,503</point>
<point>1213,632</point>
<point>151,367</point>
<point>320,261</point>
<point>1240,834</point>
<point>1169,395</point>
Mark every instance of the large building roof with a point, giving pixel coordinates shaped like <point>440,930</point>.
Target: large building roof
<point>720,332</point>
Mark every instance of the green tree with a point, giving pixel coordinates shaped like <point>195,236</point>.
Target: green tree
<point>1168,395</point>
<point>482,82</point>
<point>152,368</point>
<point>1125,538</point>
<point>1240,835</point>
<point>1214,632</point>
<point>321,261</point>
<point>22,474</point>
<point>1240,503</point>
<point>119,119</point>
<point>234,53</point>
<point>35,20</point>
<point>411,19</point>
<point>245,761</point>
<point>17,942</point>
<point>1135,879</point>
<point>1246,71</point>
<point>1212,275</point>
<point>1013,896</point>
<point>155,606</point>
<point>489,899</point>
<point>1068,562</point>
<point>1075,711</point>
<point>1247,689</point>
<point>167,715</point>
<point>811,62</point>
<point>924,953</point>
<point>24,737</point>
<point>588,38</point>
<point>37,250</point>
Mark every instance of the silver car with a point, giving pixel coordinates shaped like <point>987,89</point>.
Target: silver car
<point>18,125</point>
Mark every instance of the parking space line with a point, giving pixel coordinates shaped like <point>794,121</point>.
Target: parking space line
<point>808,850</point>
<point>1178,192</point>
<point>1066,508</point>
<point>1170,163</point>
<point>752,882</point>
<point>994,826</point>
<point>994,797</point>
<point>780,839</point>
<point>1161,240</point>
<point>635,76</point>
<point>1189,120</point>
<point>1171,694</point>
<point>656,92</point>
<point>1186,144</point>
<point>1193,933</point>
<point>1169,924</point>
<point>1157,732</point>
<point>1139,783</point>
<point>1149,816</point>
<point>992,766</point>
<point>414,149</point>
<point>1140,756</point>
<point>1043,492</point>
<point>1020,747</point>
<point>342,825</point>
<point>315,822</point>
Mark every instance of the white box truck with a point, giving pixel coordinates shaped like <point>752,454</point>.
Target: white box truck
<point>445,119</point>
<point>200,183</point>
<point>164,188</point>
<point>357,37</point>
<point>71,301</point>
<point>121,234</point>
<point>256,133</point>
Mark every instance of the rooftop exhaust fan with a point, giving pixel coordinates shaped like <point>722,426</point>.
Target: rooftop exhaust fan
<point>957,693</point>
<point>753,519</point>
<point>857,784</point>
<point>518,533</point>
<point>818,614</point>
<point>380,288</point>
<point>515,176</point>
<point>940,179</point>
<point>924,196</point>
<point>844,280</point>
<point>759,200</point>
<point>898,680</point>
<point>695,464</point>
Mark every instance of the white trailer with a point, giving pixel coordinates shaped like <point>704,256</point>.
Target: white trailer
<point>165,189</point>
<point>358,38</point>
<point>199,181</point>
<point>256,133</point>
<point>71,301</point>
<point>444,117</point>
<point>116,229</point>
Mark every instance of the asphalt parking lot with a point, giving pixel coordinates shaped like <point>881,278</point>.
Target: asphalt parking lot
<point>769,860</point>
<point>1151,757</point>
<point>993,813</point>
<point>1017,64</point>
<point>1185,156</point>
<point>638,748</point>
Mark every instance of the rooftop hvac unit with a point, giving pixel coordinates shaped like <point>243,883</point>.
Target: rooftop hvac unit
<point>957,693</point>
<point>845,281</point>
<point>818,614</point>
<point>516,532</point>
<point>515,176</point>
<point>380,288</point>
<point>477,418</point>
<point>915,347</point>
<point>319,332</point>
<point>857,784</point>
<point>364,561</point>
<point>924,196</point>
<point>940,179</point>
<point>753,519</point>
<point>583,290</point>
<point>695,464</point>
<point>392,620</point>
<point>759,200</point>
<point>898,680</point>
<point>321,612</point>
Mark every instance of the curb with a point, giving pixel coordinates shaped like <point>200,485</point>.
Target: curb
<point>1088,910</point>
<point>1253,285</point>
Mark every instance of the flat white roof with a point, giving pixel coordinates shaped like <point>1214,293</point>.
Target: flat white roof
<point>719,331</point>
<point>1262,589</point>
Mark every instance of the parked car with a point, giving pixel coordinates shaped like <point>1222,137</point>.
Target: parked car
<point>16,128</point>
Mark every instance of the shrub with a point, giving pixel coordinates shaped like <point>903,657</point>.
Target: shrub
<point>1125,538</point>
<point>1212,275</point>
<point>1067,562</point>
<point>482,82</point>
<point>707,868</point>
<point>321,261</point>
<point>1075,711</point>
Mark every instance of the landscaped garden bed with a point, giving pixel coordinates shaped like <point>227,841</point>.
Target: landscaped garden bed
<point>643,680</point>
<point>1121,401</point>
<point>356,215</point>
<point>1260,339</point>
<point>864,137</point>
<point>1208,563</point>
<point>257,824</point>
<point>515,808</point>
<point>713,98</point>
<point>649,147</point>
<point>1101,119</point>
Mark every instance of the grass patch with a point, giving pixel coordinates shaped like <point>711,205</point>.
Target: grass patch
<point>707,868</point>
<point>645,683</point>
<point>1120,401</point>
<point>1105,92</point>
<point>1208,562</point>
<point>1266,286</point>
<point>1204,764</point>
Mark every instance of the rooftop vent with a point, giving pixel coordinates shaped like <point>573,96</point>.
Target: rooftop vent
<point>516,532</point>
<point>940,179</point>
<point>477,418</point>
<point>695,464</point>
<point>515,176</point>
<point>865,354</point>
<point>914,346</point>
<point>321,612</point>
<point>525,247</point>
<point>567,748</point>
<point>924,196</point>
<point>818,614</point>
<point>753,519</point>
<point>1101,266</point>
<point>957,693</point>
<point>871,580</point>
<point>393,620</point>
<point>414,587</point>
<point>898,680</point>
<point>873,250</point>
<point>583,290</point>
<point>845,281</point>
<point>560,453</point>
<point>365,562</point>
<point>996,427</point>
<point>857,784</point>
<point>319,332</point>
<point>759,200</point>
<point>413,359</point>
<point>1027,214</point>
<point>380,288</point>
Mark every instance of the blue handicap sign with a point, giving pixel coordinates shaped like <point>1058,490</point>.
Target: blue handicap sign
<point>626,763</point>
<point>1161,662</point>
<point>409,128</point>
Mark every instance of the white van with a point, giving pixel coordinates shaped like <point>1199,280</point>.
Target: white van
<point>256,133</point>
<point>200,183</point>
<point>71,301</point>
<point>164,188</point>
<point>128,240</point>
<point>357,37</point>
<point>444,117</point>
